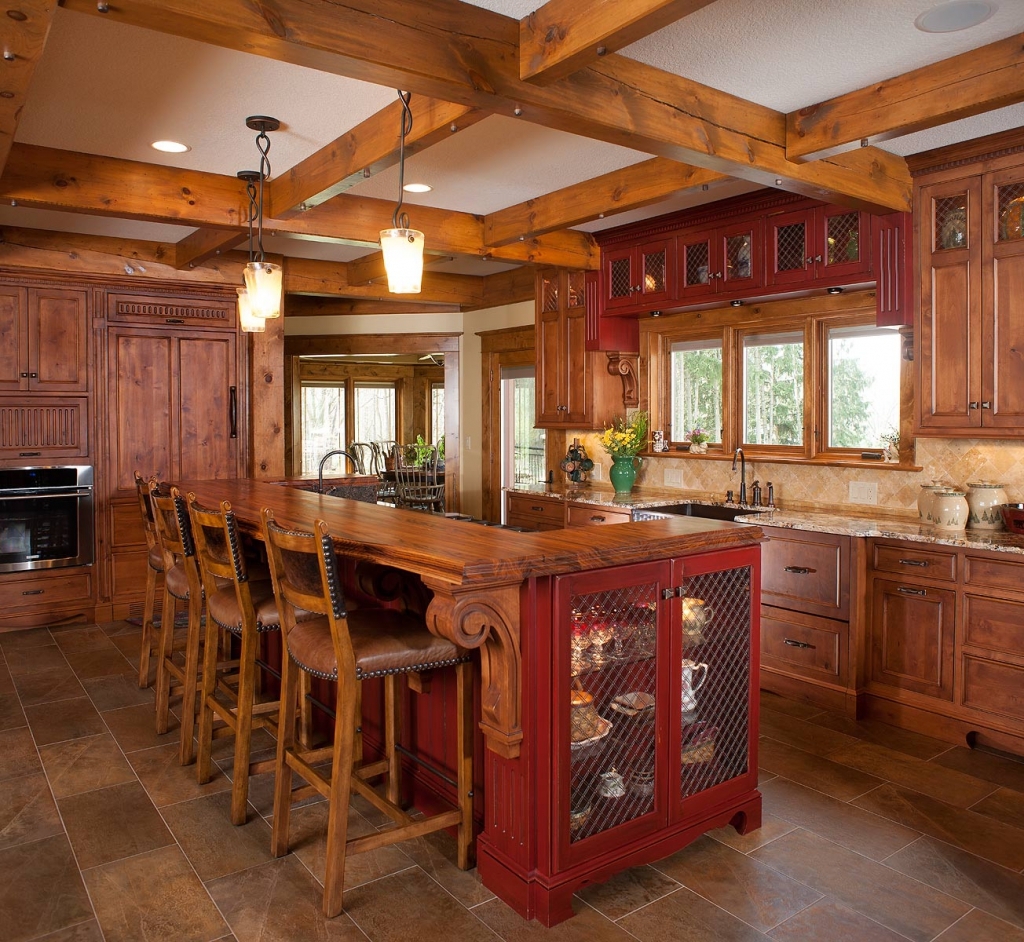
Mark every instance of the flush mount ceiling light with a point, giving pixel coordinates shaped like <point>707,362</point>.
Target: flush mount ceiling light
<point>263,280</point>
<point>170,147</point>
<point>402,246</point>
<point>417,188</point>
<point>955,16</point>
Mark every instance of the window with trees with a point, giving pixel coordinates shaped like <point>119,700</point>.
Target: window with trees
<point>375,412</point>
<point>863,385</point>
<point>773,389</point>
<point>323,423</point>
<point>696,376</point>
<point>436,412</point>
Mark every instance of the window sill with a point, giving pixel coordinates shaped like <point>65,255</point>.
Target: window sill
<point>762,458</point>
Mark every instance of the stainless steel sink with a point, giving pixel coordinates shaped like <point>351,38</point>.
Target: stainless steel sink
<point>707,511</point>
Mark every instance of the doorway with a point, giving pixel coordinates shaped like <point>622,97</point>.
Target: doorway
<point>522,445</point>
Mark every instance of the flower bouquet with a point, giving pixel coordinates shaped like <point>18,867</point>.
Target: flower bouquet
<point>623,441</point>
<point>698,440</point>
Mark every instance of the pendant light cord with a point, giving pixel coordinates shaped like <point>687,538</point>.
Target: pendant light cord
<point>250,189</point>
<point>400,220</point>
<point>263,145</point>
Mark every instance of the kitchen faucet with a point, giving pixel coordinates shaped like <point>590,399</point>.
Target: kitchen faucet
<point>738,453</point>
<point>331,454</point>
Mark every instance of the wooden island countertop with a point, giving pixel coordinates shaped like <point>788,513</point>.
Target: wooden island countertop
<point>475,572</point>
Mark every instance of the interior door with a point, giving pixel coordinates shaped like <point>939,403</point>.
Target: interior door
<point>208,406</point>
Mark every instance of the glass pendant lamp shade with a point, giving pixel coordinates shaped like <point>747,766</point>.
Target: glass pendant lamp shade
<point>263,282</point>
<point>403,259</point>
<point>249,322</point>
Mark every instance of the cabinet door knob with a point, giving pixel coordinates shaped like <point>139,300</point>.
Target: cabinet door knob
<point>33,375</point>
<point>972,405</point>
<point>717,274</point>
<point>796,644</point>
<point>984,405</point>
<point>24,374</point>
<point>799,570</point>
<point>668,593</point>
<point>906,591</point>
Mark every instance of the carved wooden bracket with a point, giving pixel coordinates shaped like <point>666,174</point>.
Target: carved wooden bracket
<point>486,619</point>
<point>907,333</point>
<point>626,365</point>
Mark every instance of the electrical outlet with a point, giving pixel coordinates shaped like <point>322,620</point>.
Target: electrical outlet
<point>861,492</point>
<point>597,472</point>
<point>673,477</point>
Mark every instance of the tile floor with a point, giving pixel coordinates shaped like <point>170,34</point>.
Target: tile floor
<point>871,834</point>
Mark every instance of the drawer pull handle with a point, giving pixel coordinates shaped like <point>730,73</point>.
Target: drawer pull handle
<point>915,562</point>
<point>598,519</point>
<point>907,591</point>
<point>793,643</point>
<point>175,320</point>
<point>799,570</point>
<point>537,509</point>
<point>33,592</point>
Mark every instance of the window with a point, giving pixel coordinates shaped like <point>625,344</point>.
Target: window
<point>863,386</point>
<point>696,396</point>
<point>436,412</point>
<point>374,412</point>
<point>773,389</point>
<point>323,424</point>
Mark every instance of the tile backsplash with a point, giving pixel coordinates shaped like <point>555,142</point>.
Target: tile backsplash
<point>800,486</point>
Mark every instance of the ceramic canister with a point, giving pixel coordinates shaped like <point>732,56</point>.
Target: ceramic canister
<point>927,497</point>
<point>949,510</point>
<point>984,500</point>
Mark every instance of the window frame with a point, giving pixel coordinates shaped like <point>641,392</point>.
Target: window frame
<point>710,337</point>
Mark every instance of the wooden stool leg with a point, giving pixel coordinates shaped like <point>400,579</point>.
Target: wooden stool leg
<point>190,682</point>
<point>243,724</point>
<point>285,743</point>
<point>148,630</point>
<point>305,709</point>
<point>464,758</point>
<point>392,717</point>
<point>207,691</point>
<point>163,675</point>
<point>341,783</point>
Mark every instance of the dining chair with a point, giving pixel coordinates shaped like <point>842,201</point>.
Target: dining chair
<point>419,482</point>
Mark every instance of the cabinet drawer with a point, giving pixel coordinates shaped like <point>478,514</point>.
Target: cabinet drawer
<point>126,525</point>
<point>803,644</point>
<point>996,624</point>
<point>806,572</point>
<point>44,428</point>
<point>534,511</point>
<point>20,592</point>
<point>588,515</point>
<point>993,687</point>
<point>1004,573</point>
<point>532,522</point>
<point>911,559</point>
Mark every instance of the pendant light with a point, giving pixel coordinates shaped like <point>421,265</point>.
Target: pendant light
<point>263,280</point>
<point>249,322</point>
<point>402,246</point>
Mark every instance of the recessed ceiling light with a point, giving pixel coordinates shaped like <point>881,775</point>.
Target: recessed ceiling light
<point>955,16</point>
<point>417,188</point>
<point>170,147</point>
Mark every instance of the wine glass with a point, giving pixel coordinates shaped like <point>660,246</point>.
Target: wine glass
<point>601,632</point>
<point>622,631</point>
<point>579,640</point>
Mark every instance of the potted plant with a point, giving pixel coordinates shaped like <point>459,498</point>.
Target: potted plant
<point>623,441</point>
<point>892,444</point>
<point>698,440</point>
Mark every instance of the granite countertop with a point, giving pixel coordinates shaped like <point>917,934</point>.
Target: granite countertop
<point>888,527</point>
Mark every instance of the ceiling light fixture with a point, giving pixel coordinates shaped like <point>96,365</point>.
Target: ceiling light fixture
<point>262,278</point>
<point>247,320</point>
<point>401,246</point>
<point>955,16</point>
<point>417,188</point>
<point>170,147</point>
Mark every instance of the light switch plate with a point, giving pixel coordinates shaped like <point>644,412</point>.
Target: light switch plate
<point>673,477</point>
<point>861,492</point>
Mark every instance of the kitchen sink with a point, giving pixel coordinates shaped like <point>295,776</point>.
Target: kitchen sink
<point>707,511</point>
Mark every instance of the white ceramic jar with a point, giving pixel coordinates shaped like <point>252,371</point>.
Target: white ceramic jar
<point>949,510</point>
<point>984,500</point>
<point>927,497</point>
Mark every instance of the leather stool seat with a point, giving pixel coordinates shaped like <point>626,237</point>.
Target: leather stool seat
<point>156,559</point>
<point>224,609</point>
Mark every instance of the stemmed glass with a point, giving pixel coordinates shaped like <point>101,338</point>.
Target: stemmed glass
<point>622,631</point>
<point>579,641</point>
<point>601,632</point>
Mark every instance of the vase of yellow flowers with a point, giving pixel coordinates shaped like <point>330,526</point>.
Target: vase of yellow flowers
<point>623,441</point>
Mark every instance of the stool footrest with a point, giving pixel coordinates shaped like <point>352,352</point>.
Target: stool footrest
<point>417,828</point>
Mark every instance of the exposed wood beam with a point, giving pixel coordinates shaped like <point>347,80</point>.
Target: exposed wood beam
<point>965,85</point>
<point>564,36</point>
<point>24,35</point>
<point>370,267</point>
<point>462,53</point>
<point>507,287</point>
<point>202,244</point>
<point>368,148</point>
<point>301,306</point>
<point>649,181</point>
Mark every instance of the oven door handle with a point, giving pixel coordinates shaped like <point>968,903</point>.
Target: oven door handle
<point>42,495</point>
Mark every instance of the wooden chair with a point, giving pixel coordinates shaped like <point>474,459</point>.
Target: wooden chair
<point>349,647</point>
<point>154,568</point>
<point>363,454</point>
<point>244,608</point>
<point>181,583</point>
<point>419,482</point>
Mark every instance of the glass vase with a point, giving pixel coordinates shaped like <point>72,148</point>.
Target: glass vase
<point>623,473</point>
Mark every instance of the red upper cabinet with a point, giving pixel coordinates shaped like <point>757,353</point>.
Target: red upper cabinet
<point>817,244</point>
<point>892,238</point>
<point>722,260</point>
<point>639,277</point>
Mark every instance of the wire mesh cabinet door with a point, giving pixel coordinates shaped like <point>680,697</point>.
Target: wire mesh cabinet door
<point>713,725</point>
<point>611,690</point>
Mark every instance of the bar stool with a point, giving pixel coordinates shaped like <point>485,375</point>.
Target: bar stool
<point>181,583</point>
<point>245,608</point>
<point>349,647</point>
<point>154,568</point>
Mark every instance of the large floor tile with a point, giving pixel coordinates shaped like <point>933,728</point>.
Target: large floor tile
<point>977,926</point>
<point>155,897</point>
<point>803,734</point>
<point>973,832</point>
<point>64,719</point>
<point>81,765</point>
<point>11,714</point>
<point>587,925</point>
<point>26,638</point>
<point>118,690</point>
<point>684,916</point>
<point>839,781</point>
<point>41,890</point>
<point>134,727</point>
<point>97,661</point>
<point>777,704</point>
<point>1004,805</point>
<point>81,638</point>
<point>212,844</point>
<point>749,890</point>
<point>59,683</point>
<point>1006,772</point>
<point>112,823</point>
<point>436,854</point>
<point>18,754</point>
<point>869,888</point>
<point>29,659</point>
<point>280,900</point>
<point>628,891</point>
<point>88,931</point>
<point>27,811</point>
<point>956,873</point>
<point>166,781</point>
<point>836,821</point>
<point>882,734</point>
<point>827,920</point>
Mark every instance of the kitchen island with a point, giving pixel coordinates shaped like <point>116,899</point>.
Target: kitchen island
<point>618,676</point>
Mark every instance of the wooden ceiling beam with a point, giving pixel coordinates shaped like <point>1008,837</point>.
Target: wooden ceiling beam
<point>462,53</point>
<point>26,27</point>
<point>304,306</point>
<point>370,268</point>
<point>965,85</point>
<point>202,244</point>
<point>507,287</point>
<point>649,181</point>
<point>368,148</point>
<point>564,36</point>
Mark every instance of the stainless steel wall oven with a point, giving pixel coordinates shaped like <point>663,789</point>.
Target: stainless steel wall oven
<point>46,517</point>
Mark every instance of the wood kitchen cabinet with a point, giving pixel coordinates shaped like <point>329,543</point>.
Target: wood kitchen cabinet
<point>43,340</point>
<point>720,260</point>
<point>971,248</point>
<point>639,277</point>
<point>817,244</point>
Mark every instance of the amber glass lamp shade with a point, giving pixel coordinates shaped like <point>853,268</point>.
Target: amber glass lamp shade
<point>249,322</point>
<point>403,259</point>
<point>263,282</point>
